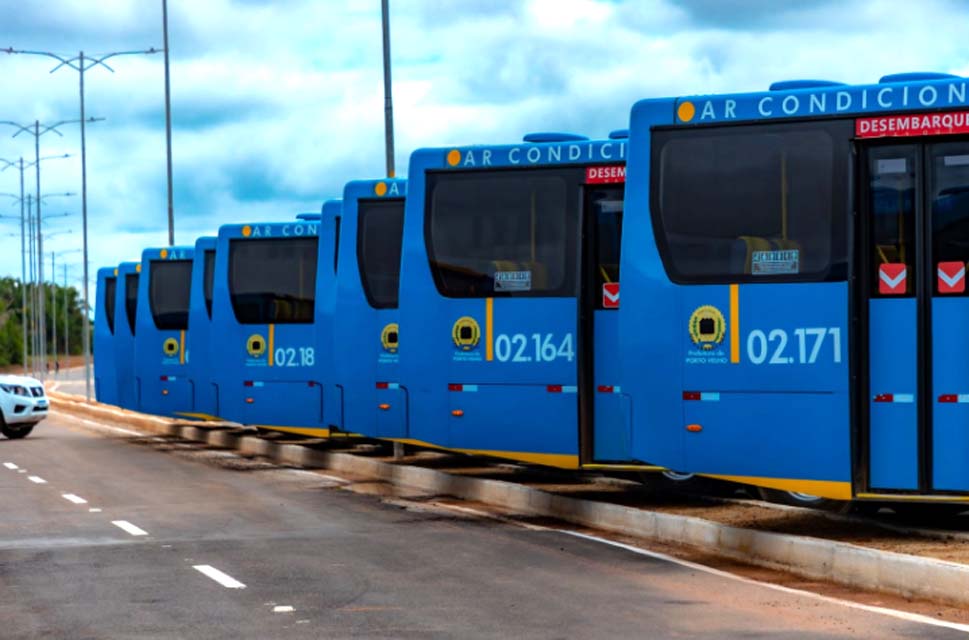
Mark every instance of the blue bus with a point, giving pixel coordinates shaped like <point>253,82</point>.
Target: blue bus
<point>199,365</point>
<point>126,310</point>
<point>264,305</point>
<point>161,327</point>
<point>509,288</point>
<point>105,373</point>
<point>794,287</point>
<point>365,334</point>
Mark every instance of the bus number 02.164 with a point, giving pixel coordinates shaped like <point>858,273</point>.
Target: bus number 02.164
<point>541,348</point>
<point>772,346</point>
<point>292,357</point>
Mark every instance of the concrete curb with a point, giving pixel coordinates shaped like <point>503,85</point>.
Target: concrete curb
<point>839,562</point>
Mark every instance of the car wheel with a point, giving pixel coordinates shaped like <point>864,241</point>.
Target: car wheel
<point>16,431</point>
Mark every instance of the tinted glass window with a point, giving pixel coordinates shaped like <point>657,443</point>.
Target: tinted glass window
<point>949,198</point>
<point>131,299</point>
<point>110,290</point>
<point>336,245</point>
<point>380,227</point>
<point>273,280</point>
<point>752,203</point>
<point>169,285</point>
<point>605,206</point>
<point>208,279</point>
<point>503,233</point>
<point>891,191</point>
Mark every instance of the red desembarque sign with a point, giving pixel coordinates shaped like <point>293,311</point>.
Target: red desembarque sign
<point>916,124</point>
<point>609,174</point>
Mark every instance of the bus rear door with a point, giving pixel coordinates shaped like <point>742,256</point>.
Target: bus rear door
<point>915,305</point>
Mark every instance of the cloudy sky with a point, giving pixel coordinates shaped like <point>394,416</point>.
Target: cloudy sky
<point>277,103</point>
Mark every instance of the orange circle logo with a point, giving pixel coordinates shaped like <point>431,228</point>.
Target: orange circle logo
<point>138,267</point>
<point>246,231</point>
<point>163,253</point>
<point>453,157</point>
<point>380,189</point>
<point>685,111</point>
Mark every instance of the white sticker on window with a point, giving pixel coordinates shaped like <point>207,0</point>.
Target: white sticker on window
<point>956,161</point>
<point>513,281</point>
<point>768,263</point>
<point>891,165</point>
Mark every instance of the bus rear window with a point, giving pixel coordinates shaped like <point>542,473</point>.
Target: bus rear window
<point>169,285</point>
<point>208,279</point>
<point>503,233</point>
<point>131,299</point>
<point>380,227</point>
<point>110,290</point>
<point>273,281</point>
<point>752,203</point>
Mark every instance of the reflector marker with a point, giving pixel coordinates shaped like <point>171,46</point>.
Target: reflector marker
<point>253,383</point>
<point>896,398</point>
<point>702,396</point>
<point>959,398</point>
<point>562,388</point>
<point>462,387</point>
<point>388,385</point>
<point>609,388</point>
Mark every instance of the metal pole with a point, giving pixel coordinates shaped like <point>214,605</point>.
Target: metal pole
<point>85,338</point>
<point>40,262</point>
<point>168,131</point>
<point>388,100</point>
<point>33,276</point>
<point>23,265</point>
<point>67,333</point>
<point>53,305</point>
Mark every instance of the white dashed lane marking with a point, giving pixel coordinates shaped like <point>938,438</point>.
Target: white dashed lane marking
<point>283,608</point>
<point>127,527</point>
<point>10,465</point>
<point>70,497</point>
<point>224,579</point>
<point>37,479</point>
<point>94,510</point>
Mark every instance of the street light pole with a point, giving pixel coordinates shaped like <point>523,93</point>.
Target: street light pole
<point>23,248</point>
<point>80,63</point>
<point>168,128</point>
<point>388,100</point>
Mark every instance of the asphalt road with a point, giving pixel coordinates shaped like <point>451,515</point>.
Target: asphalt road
<point>348,565</point>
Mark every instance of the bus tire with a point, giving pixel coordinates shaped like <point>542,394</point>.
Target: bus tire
<point>795,499</point>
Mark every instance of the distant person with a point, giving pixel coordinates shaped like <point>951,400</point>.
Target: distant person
<point>57,367</point>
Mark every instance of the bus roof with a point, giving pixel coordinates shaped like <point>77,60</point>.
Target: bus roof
<point>787,99</point>
<point>564,150</point>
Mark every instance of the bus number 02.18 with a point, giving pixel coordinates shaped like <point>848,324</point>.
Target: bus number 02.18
<point>292,357</point>
<point>541,348</point>
<point>810,341</point>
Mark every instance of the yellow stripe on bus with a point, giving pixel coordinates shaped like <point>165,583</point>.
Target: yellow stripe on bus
<point>735,323</point>
<point>489,329</point>
<point>272,338</point>
<point>181,347</point>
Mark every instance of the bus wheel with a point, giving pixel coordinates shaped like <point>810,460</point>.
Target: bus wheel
<point>797,499</point>
<point>676,476</point>
<point>16,431</point>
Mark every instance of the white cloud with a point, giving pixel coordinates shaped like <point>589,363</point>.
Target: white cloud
<point>278,103</point>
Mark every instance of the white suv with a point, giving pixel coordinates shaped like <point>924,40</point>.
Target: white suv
<point>23,404</point>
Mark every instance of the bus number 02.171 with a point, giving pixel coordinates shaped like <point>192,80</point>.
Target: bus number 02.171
<point>541,348</point>
<point>771,346</point>
<point>291,357</point>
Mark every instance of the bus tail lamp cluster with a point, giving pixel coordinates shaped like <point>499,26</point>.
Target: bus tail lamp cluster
<point>954,398</point>
<point>897,398</point>
<point>701,396</point>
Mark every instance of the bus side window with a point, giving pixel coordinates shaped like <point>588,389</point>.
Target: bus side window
<point>892,206</point>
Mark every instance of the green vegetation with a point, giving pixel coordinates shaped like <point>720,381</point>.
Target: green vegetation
<point>11,320</point>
